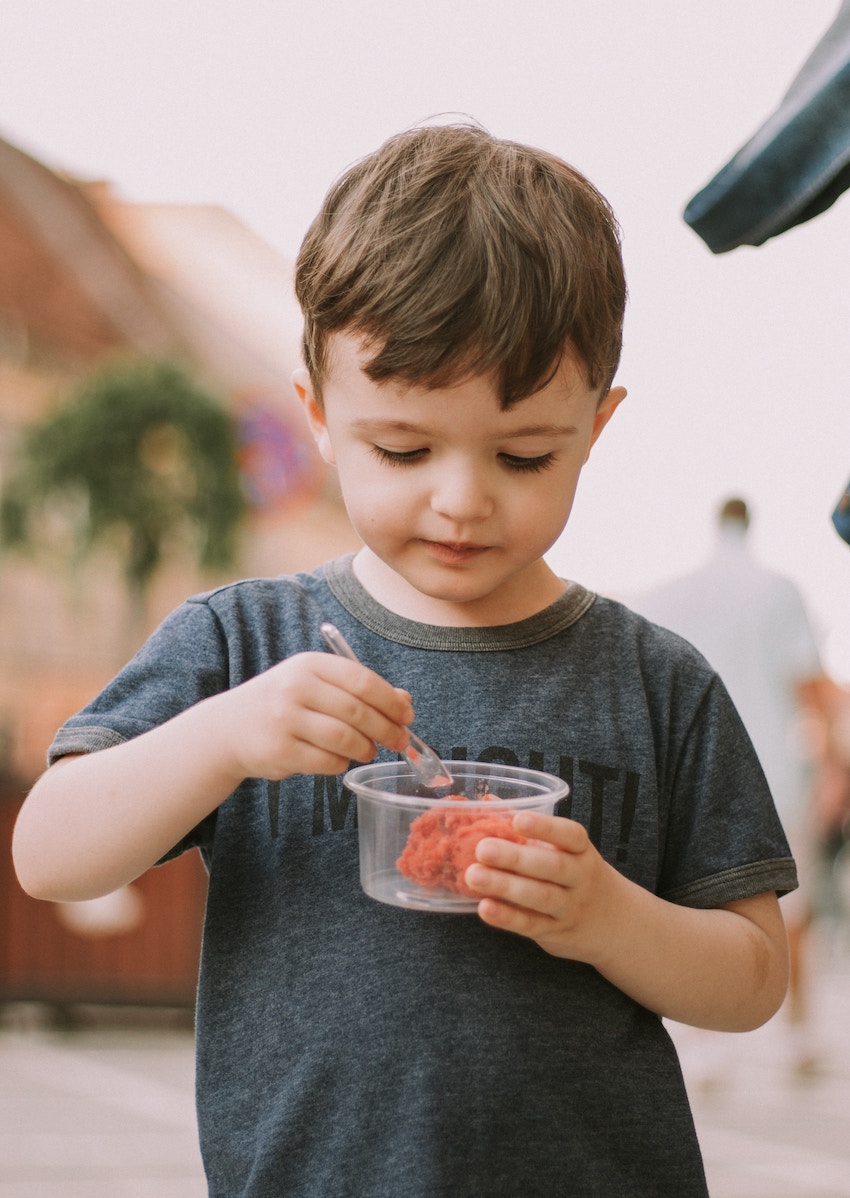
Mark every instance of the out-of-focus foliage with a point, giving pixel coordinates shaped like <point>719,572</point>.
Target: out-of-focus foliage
<point>141,459</point>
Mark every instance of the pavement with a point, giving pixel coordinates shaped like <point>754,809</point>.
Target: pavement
<point>106,1110</point>
<point>772,1110</point>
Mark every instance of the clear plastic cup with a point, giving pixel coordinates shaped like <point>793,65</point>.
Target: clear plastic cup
<point>415,845</point>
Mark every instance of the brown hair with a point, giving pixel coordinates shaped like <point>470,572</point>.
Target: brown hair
<point>451,253</point>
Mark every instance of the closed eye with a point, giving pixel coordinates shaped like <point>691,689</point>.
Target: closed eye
<point>395,457</point>
<point>527,465</point>
<point>409,457</point>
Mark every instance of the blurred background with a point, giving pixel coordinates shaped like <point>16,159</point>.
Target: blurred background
<point>159,164</point>
<point>736,366</point>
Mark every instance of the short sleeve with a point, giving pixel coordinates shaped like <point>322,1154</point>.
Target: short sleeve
<point>724,839</point>
<point>183,662</point>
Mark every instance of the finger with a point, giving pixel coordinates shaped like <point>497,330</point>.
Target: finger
<point>515,919</point>
<point>530,894</point>
<point>536,859</point>
<point>357,713</point>
<point>315,760</point>
<point>566,834</point>
<point>330,734</point>
<point>367,686</point>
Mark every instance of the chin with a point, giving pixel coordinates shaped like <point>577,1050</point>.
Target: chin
<point>449,590</point>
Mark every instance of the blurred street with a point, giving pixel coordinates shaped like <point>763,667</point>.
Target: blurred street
<point>767,1126</point>
<point>97,1113</point>
<point>107,1111</point>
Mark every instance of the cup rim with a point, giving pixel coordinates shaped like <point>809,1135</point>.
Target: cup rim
<point>549,787</point>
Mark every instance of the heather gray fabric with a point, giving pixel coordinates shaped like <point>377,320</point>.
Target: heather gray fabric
<point>348,1049</point>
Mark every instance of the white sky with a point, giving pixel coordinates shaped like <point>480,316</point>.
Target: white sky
<point>738,367</point>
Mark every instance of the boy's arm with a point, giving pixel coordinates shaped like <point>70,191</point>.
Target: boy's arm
<point>93,823</point>
<point>724,968</point>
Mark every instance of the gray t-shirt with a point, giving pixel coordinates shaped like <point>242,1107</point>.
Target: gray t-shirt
<point>350,1049</point>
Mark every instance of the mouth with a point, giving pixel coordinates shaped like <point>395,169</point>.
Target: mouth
<point>454,552</point>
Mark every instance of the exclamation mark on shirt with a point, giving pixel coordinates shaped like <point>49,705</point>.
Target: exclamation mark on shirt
<point>627,816</point>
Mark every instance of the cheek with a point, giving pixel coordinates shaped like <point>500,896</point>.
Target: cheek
<point>544,512</point>
<point>374,500</point>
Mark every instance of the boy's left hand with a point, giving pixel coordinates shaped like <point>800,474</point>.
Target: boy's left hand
<point>557,890</point>
<point>723,967</point>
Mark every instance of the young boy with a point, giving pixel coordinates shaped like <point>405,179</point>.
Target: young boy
<point>463,301</point>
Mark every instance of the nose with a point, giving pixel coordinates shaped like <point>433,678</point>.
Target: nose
<point>461,493</point>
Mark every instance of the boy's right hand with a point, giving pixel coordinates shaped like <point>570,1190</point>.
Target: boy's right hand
<point>95,822</point>
<point>312,714</point>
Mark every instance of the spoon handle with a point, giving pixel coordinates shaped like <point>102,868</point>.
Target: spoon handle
<point>422,759</point>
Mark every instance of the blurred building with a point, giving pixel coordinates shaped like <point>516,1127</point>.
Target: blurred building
<point>85,275</point>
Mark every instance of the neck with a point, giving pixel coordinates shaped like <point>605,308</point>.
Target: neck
<point>732,532</point>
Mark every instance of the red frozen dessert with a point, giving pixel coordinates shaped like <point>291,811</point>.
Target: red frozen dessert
<point>441,845</point>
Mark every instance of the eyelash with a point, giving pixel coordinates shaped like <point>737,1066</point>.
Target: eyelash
<point>528,465</point>
<point>392,457</point>
<point>518,465</point>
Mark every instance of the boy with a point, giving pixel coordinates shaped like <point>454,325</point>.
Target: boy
<point>463,301</point>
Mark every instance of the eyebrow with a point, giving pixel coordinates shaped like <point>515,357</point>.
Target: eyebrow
<point>545,430</point>
<point>365,425</point>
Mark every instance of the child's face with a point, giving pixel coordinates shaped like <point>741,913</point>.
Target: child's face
<point>456,501</point>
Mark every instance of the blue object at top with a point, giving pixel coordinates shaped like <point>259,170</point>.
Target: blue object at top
<point>795,166</point>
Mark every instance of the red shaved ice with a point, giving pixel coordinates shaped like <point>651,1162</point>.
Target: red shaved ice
<point>442,842</point>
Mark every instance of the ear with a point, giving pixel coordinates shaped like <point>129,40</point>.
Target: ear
<point>607,407</point>
<point>315,414</point>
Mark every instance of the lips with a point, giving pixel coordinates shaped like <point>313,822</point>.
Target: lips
<point>455,552</point>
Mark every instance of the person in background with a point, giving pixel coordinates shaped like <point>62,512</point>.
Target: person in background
<point>752,626</point>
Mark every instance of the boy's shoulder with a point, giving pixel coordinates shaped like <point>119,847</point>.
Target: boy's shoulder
<point>654,641</point>
<point>645,659</point>
<point>257,619</point>
<point>241,590</point>
<point>261,596</point>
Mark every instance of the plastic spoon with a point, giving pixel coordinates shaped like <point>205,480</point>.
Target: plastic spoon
<point>422,760</point>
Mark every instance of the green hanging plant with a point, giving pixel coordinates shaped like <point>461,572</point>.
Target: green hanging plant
<point>141,459</point>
